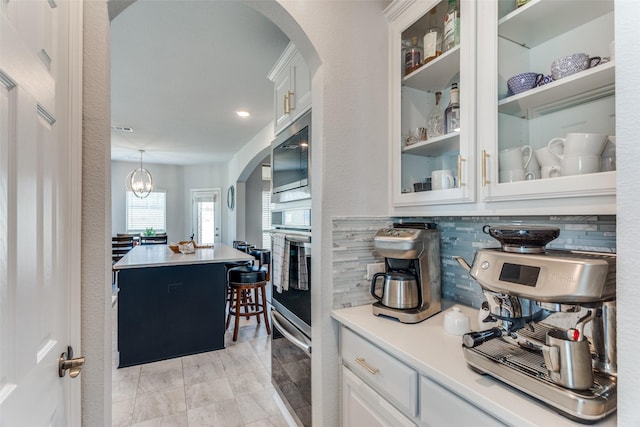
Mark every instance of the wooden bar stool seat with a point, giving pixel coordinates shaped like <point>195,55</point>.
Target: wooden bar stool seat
<point>244,283</point>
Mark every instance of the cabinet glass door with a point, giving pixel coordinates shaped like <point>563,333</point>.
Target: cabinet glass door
<point>545,72</point>
<point>432,164</point>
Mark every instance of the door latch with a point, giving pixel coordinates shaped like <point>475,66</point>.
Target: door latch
<point>68,363</point>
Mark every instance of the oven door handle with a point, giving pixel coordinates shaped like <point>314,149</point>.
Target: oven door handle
<point>290,332</point>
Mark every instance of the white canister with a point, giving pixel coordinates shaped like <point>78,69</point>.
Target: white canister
<point>456,322</point>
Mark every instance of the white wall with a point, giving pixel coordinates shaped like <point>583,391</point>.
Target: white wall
<point>96,219</point>
<point>628,233</point>
<point>240,168</point>
<point>345,45</point>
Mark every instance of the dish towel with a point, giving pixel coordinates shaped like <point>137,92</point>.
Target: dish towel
<point>280,276</point>
<point>303,273</point>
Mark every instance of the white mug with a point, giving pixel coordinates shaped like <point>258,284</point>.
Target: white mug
<point>514,175</point>
<point>515,158</point>
<point>533,170</point>
<point>579,165</point>
<point>550,171</point>
<point>546,157</point>
<point>579,144</point>
<point>442,179</point>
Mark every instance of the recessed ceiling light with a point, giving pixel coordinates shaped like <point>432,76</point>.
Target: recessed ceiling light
<point>242,113</point>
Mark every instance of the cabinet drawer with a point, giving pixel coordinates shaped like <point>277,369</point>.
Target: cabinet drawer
<point>362,406</point>
<point>439,407</point>
<point>391,378</point>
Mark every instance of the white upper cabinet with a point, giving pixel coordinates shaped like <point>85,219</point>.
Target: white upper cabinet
<point>529,39</point>
<point>498,41</point>
<point>413,97</point>
<point>292,87</point>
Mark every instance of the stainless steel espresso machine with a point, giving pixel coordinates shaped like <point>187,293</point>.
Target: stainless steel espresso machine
<point>410,289</point>
<point>529,291</point>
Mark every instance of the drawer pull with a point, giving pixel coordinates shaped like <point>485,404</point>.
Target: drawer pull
<point>362,363</point>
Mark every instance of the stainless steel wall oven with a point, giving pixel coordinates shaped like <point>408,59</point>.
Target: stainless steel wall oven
<point>291,320</point>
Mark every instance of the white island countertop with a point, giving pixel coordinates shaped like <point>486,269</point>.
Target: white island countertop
<point>426,347</point>
<point>161,256</point>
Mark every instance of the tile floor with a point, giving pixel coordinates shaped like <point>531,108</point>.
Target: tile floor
<point>229,387</point>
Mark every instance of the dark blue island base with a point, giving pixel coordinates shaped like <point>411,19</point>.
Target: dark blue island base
<point>170,311</point>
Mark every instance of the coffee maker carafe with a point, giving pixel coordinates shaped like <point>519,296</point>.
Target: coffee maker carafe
<point>410,290</point>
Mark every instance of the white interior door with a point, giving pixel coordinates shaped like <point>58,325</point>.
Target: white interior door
<point>39,214</point>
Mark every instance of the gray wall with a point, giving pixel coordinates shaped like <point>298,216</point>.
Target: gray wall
<point>178,181</point>
<point>167,178</point>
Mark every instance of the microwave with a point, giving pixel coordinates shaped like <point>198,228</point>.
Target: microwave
<point>290,162</point>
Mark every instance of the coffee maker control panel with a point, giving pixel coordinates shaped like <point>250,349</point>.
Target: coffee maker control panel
<point>397,233</point>
<point>555,276</point>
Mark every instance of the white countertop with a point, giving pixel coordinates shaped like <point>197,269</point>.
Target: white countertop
<point>433,352</point>
<point>160,255</point>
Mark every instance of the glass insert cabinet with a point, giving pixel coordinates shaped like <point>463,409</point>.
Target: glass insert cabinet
<point>417,150</point>
<point>532,72</point>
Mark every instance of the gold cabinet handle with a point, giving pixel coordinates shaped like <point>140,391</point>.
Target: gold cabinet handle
<point>289,93</point>
<point>485,181</point>
<point>361,362</point>
<point>286,104</point>
<point>460,160</point>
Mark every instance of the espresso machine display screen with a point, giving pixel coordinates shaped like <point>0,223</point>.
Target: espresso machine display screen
<point>520,274</point>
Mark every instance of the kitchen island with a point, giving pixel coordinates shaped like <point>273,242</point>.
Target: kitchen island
<point>169,304</point>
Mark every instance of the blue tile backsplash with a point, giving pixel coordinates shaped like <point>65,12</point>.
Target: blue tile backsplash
<point>462,236</point>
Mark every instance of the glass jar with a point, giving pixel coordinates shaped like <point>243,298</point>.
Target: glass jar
<point>432,40</point>
<point>413,56</point>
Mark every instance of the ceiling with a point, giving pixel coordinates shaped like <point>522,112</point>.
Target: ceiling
<point>179,72</point>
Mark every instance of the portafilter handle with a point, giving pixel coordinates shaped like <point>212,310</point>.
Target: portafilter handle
<point>474,339</point>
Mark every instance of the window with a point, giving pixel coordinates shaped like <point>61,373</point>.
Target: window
<point>149,212</point>
<point>266,219</point>
<point>205,216</point>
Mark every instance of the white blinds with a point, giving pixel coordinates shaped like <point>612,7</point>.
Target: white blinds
<point>149,212</point>
<point>266,219</point>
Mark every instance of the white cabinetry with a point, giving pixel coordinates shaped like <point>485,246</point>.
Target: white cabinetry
<point>440,407</point>
<point>413,98</point>
<point>394,380</point>
<point>380,390</point>
<point>509,41</point>
<point>292,87</point>
<point>529,39</point>
<point>363,406</point>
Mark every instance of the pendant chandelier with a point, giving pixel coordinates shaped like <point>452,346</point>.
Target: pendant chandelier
<point>139,181</point>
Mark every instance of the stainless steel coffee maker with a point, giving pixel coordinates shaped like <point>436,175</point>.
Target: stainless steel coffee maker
<point>554,313</point>
<point>410,287</point>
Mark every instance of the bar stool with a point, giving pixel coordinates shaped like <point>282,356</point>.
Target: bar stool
<point>240,245</point>
<point>242,281</point>
<point>238,242</point>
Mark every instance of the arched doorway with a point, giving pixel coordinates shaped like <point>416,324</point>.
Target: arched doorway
<point>96,299</point>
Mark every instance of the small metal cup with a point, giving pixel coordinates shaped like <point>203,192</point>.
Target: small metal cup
<point>568,361</point>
